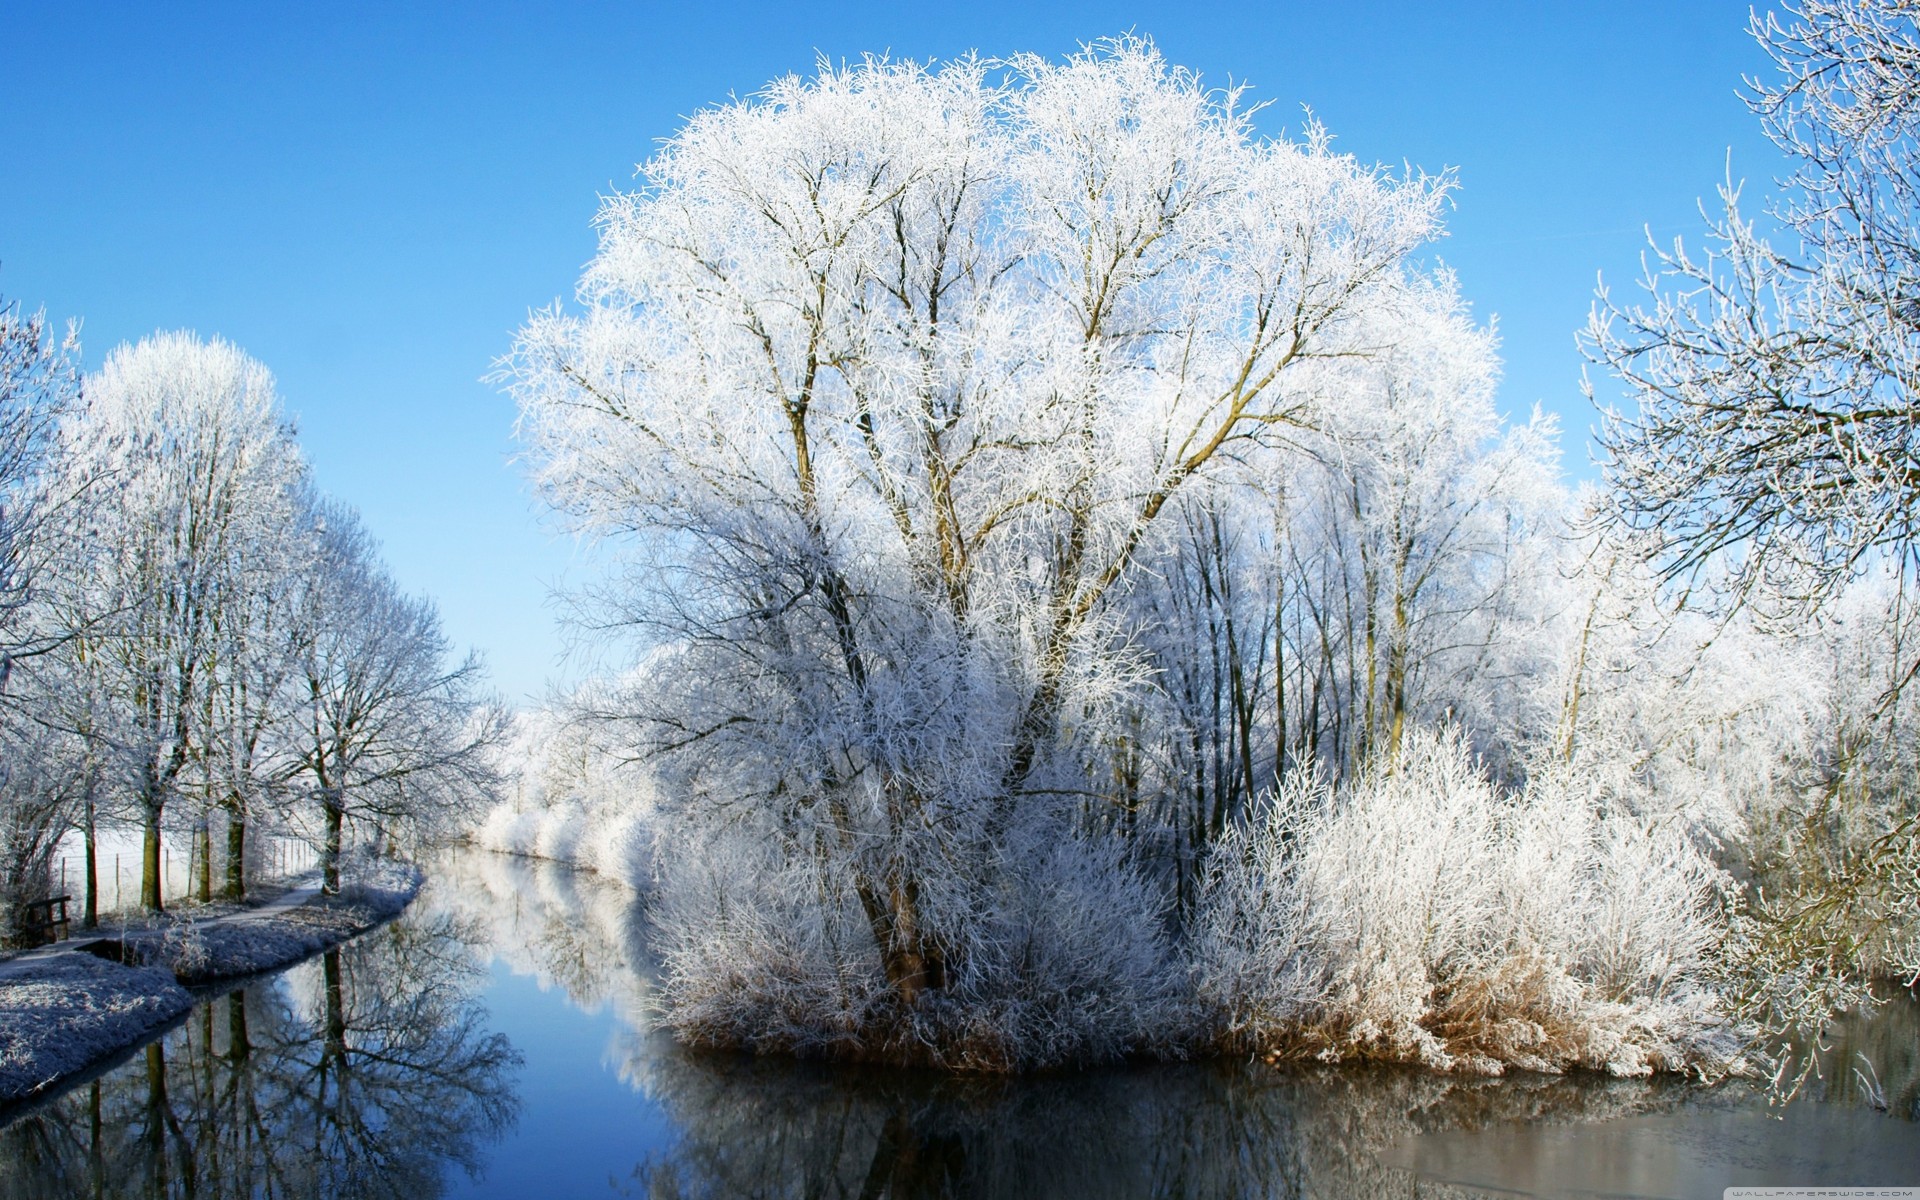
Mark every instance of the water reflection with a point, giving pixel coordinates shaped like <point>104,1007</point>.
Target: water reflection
<point>572,929</point>
<point>1873,1058</point>
<point>376,1071</point>
<point>763,1129</point>
<point>365,1072</point>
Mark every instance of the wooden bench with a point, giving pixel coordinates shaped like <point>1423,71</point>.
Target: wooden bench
<point>39,922</point>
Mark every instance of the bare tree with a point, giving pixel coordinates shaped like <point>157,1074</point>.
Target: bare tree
<point>386,731</point>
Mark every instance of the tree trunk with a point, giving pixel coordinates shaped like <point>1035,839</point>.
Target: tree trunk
<point>239,1045</point>
<point>203,850</point>
<point>236,868</point>
<point>150,858</point>
<point>912,964</point>
<point>1280,681</point>
<point>158,1114</point>
<point>334,1047</point>
<point>91,919</point>
<point>96,1159</point>
<point>334,805</point>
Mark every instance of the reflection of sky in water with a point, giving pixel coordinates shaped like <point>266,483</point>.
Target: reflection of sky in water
<point>581,1124</point>
<point>384,1073</point>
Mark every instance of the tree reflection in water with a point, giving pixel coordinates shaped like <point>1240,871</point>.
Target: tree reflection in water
<point>366,1072</point>
<point>1873,1057</point>
<point>371,1073</point>
<point>759,1128</point>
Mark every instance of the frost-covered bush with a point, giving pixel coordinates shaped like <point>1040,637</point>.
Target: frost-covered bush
<point>1059,959</point>
<point>1786,737</point>
<point>183,948</point>
<point>1422,915</point>
<point>571,801</point>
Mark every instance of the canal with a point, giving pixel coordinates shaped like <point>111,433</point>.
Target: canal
<point>496,1041</point>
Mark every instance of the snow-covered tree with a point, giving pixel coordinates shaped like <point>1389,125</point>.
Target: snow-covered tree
<point>896,373</point>
<point>201,456</point>
<point>247,755</point>
<point>1394,565</point>
<point>39,385</point>
<point>1776,376</point>
<point>1407,547</point>
<point>387,731</point>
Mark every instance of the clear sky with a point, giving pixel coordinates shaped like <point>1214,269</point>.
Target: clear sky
<point>369,197</point>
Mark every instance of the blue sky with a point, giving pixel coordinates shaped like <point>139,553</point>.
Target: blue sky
<point>370,197</point>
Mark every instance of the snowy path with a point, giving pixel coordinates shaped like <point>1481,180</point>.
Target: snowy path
<point>29,962</point>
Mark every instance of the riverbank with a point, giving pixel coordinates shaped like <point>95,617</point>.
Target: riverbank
<point>67,1006</point>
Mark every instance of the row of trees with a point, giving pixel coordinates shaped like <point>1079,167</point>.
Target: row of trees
<point>196,640</point>
<point>1027,467</point>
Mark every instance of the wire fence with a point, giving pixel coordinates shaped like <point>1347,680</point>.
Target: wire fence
<point>118,873</point>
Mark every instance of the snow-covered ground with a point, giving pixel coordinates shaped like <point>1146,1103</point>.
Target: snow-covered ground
<point>60,1012</point>
<point>63,1007</point>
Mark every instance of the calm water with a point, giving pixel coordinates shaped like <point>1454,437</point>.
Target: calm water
<point>491,1043</point>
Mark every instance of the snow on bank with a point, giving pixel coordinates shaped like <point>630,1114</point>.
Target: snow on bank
<point>572,802</point>
<point>226,941</point>
<point>63,1009</point>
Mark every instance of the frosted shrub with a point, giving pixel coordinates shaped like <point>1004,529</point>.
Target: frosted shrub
<point>183,948</point>
<point>508,830</point>
<point>1073,964</point>
<point>1422,915</point>
<point>1060,960</point>
<point>571,801</point>
<point>618,845</point>
<point>559,834</point>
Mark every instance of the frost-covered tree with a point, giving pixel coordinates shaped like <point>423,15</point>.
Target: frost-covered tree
<point>1775,448</point>
<point>1776,375</point>
<point>894,374</point>
<point>1421,540</point>
<point>39,385</point>
<point>1394,565</point>
<point>202,458</point>
<point>571,797</point>
<point>247,755</point>
<point>386,730</point>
